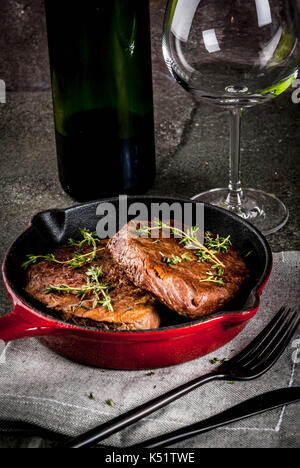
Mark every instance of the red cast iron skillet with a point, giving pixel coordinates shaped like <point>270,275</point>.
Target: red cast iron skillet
<point>171,344</point>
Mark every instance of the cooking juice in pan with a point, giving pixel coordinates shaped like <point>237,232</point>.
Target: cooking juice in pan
<point>100,58</point>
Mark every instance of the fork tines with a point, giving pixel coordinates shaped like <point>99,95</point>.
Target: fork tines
<point>268,346</point>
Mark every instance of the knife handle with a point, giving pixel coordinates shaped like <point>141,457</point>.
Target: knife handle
<point>259,404</point>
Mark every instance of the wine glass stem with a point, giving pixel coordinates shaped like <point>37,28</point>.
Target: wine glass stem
<point>235,192</point>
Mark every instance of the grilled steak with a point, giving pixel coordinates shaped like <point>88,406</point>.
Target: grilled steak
<point>133,308</point>
<point>159,268</point>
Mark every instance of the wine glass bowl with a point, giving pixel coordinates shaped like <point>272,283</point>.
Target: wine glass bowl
<point>235,54</point>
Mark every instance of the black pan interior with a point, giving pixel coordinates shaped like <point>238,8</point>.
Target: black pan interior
<point>52,228</point>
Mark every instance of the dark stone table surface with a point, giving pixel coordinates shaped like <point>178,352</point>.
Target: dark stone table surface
<point>191,143</point>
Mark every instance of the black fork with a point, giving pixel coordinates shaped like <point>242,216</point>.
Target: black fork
<point>252,362</point>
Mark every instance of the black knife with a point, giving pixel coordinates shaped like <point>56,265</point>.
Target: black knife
<point>259,404</point>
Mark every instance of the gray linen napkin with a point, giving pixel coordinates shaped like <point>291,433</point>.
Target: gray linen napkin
<point>38,386</point>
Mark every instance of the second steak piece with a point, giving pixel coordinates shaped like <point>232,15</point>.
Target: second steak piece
<point>175,275</point>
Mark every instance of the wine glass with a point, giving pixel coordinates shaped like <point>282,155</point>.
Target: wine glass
<point>235,54</point>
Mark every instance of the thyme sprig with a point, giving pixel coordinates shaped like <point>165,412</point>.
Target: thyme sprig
<point>171,261</point>
<point>206,253</point>
<point>189,239</point>
<point>174,259</point>
<point>89,238</point>
<point>215,244</point>
<point>218,243</point>
<point>185,256</point>
<point>202,256</point>
<point>92,285</point>
<point>214,277</point>
<point>78,260</point>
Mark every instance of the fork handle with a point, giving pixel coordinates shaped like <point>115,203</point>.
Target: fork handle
<point>109,428</point>
<point>256,405</point>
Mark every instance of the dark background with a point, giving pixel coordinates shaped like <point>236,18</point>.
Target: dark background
<point>191,139</point>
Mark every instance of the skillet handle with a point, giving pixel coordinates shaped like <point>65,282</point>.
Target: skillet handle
<point>21,324</point>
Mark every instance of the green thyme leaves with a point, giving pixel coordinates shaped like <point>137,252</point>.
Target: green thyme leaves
<point>186,256</point>
<point>188,239</point>
<point>93,291</point>
<point>78,260</point>
<point>204,253</point>
<point>174,259</point>
<point>217,243</point>
<point>32,259</point>
<point>171,261</point>
<point>110,402</point>
<point>215,276</point>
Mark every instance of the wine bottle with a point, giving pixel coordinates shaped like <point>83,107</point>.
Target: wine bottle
<point>100,62</point>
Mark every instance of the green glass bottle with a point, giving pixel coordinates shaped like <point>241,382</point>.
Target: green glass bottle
<point>100,60</point>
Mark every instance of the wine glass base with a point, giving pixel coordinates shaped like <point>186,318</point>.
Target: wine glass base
<point>263,210</point>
